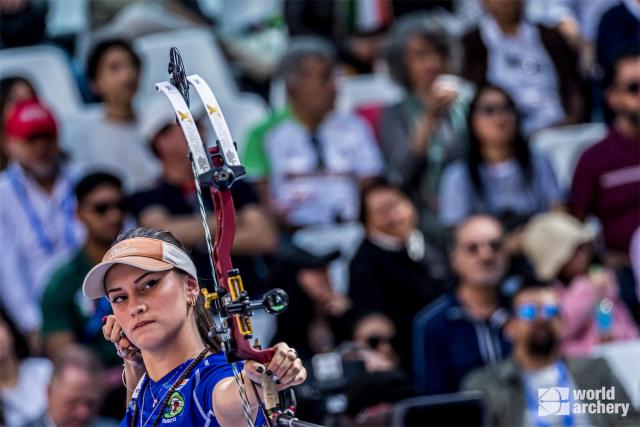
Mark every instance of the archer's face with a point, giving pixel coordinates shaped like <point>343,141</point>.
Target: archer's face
<point>151,307</point>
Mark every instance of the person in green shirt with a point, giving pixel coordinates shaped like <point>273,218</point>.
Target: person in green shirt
<point>69,317</point>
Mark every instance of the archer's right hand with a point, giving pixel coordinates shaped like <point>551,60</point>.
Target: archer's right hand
<point>114,333</point>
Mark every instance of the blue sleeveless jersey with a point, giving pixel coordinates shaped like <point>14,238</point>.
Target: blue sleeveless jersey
<point>190,404</point>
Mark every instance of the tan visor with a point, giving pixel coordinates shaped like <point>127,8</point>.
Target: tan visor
<point>142,252</point>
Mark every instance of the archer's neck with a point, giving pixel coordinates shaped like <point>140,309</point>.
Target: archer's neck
<point>177,349</point>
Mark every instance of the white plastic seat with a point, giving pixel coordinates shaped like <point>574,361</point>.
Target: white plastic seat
<point>47,68</point>
<point>564,145</point>
<point>353,92</point>
<point>200,53</point>
<point>369,89</point>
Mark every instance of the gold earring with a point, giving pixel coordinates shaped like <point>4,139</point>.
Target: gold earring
<point>193,302</point>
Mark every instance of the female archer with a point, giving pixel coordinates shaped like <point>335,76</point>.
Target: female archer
<point>160,327</point>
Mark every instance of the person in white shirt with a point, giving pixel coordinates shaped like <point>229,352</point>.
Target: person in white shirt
<point>38,226</point>
<point>21,379</point>
<point>113,142</point>
<point>309,159</point>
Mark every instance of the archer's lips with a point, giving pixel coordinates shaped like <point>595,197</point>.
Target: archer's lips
<point>142,324</point>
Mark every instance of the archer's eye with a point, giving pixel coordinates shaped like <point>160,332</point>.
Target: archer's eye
<point>150,284</point>
<point>117,299</point>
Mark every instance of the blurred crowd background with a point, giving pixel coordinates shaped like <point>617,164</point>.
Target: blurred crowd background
<point>449,191</point>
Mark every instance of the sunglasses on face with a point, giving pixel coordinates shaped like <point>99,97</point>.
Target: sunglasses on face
<point>474,247</point>
<point>493,109</point>
<point>103,208</point>
<point>529,312</point>
<point>632,88</point>
<point>375,341</point>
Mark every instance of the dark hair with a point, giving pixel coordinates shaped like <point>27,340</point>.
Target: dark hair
<point>474,155</point>
<point>406,28</point>
<point>76,356</point>
<point>101,48</point>
<point>204,321</point>
<point>375,184</point>
<point>300,48</point>
<point>611,72</point>
<point>90,182</point>
<point>6,85</point>
<point>529,282</point>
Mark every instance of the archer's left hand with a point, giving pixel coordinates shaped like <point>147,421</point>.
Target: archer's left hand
<point>286,367</point>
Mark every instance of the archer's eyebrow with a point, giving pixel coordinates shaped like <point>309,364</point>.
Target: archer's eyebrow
<point>143,276</point>
<point>113,290</point>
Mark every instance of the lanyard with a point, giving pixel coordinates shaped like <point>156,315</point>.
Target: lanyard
<point>531,397</point>
<point>36,224</point>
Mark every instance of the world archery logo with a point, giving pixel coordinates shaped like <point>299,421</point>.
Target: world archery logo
<point>553,401</point>
<point>176,405</point>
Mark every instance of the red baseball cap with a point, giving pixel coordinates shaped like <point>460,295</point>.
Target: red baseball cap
<point>28,119</point>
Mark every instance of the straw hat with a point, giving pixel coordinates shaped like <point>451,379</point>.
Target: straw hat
<point>549,240</point>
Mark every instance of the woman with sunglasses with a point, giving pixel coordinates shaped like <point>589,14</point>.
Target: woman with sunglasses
<point>500,176</point>
<point>160,327</point>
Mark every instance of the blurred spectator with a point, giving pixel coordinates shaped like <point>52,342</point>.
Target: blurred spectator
<point>561,249</point>
<point>75,391</point>
<point>355,28</point>
<point>394,253</point>
<point>22,22</point>
<point>606,181</point>
<point>309,159</point>
<point>500,176</point>
<point>512,388</point>
<point>172,203</point>
<point>382,380</point>
<point>462,330</point>
<point>425,131</point>
<point>113,142</point>
<point>23,382</point>
<point>68,317</point>
<point>619,31</point>
<point>532,62</point>
<point>314,324</point>
<point>12,91</point>
<point>38,226</point>
<point>130,19</point>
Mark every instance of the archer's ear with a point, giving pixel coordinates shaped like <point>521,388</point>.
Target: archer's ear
<point>193,288</point>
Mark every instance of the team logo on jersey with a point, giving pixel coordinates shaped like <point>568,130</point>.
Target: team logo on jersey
<point>176,405</point>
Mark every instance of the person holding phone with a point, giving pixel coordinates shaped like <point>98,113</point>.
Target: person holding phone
<point>160,328</point>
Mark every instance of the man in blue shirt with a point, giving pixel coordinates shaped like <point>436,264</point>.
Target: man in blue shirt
<point>462,330</point>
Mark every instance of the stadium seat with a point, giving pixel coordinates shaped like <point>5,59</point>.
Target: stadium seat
<point>47,68</point>
<point>67,17</point>
<point>353,92</point>
<point>200,53</point>
<point>563,146</point>
<point>363,90</point>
